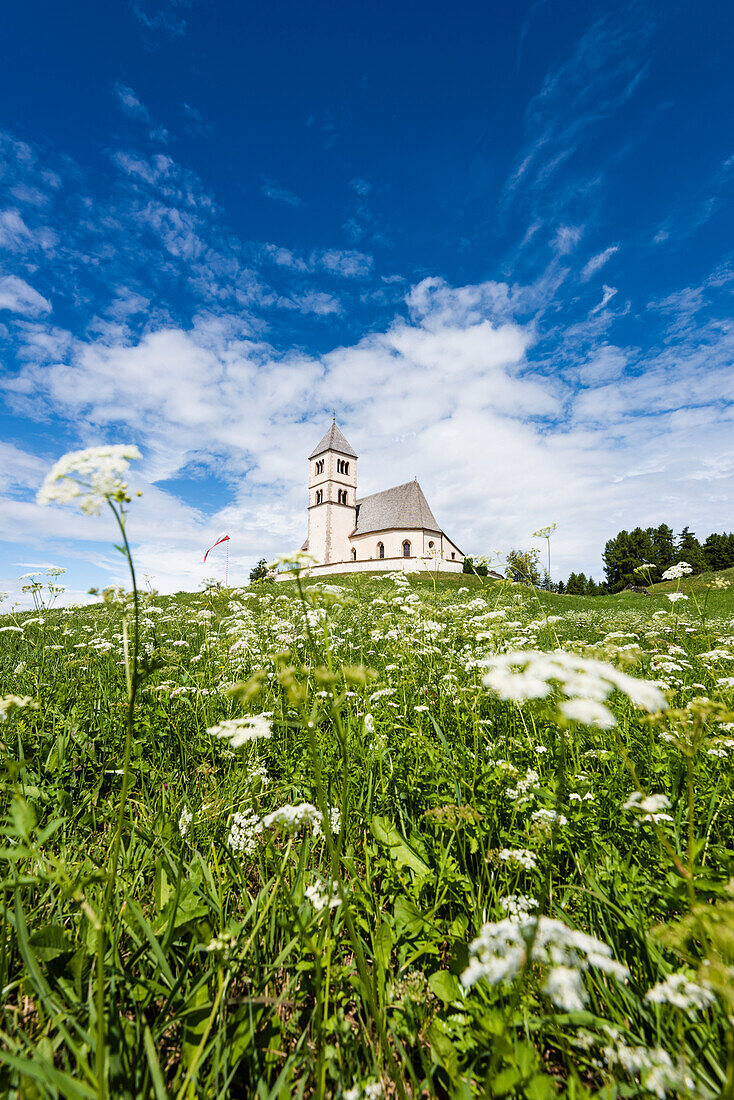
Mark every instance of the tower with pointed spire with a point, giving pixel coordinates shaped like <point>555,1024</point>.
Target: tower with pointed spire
<point>332,496</point>
<point>392,529</point>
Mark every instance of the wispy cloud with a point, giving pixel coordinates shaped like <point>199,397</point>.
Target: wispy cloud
<point>596,263</point>
<point>598,78</point>
<point>279,194</point>
<point>134,108</point>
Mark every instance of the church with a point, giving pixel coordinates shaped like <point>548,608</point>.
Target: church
<point>393,529</point>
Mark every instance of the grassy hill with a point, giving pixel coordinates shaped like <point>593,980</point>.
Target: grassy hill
<point>364,841</point>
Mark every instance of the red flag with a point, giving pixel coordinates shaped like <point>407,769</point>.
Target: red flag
<point>224,538</point>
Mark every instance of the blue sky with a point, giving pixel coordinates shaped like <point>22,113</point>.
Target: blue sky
<point>497,239</point>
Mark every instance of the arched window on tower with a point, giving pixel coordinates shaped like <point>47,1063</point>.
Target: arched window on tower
<point>320,466</point>
<point>319,496</point>
<point>354,553</point>
<point>381,549</point>
<point>406,549</point>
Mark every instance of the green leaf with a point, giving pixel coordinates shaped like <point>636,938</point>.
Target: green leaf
<point>50,941</point>
<point>155,1069</point>
<point>445,986</point>
<point>401,851</point>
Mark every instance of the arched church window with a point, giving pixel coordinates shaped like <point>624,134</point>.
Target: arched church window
<point>345,467</point>
<point>319,495</point>
<point>354,553</point>
<point>431,544</point>
<point>320,466</point>
<point>406,549</point>
<point>381,549</point>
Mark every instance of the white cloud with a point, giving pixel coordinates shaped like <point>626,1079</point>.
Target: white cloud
<point>596,263</point>
<point>566,239</point>
<point>18,297</point>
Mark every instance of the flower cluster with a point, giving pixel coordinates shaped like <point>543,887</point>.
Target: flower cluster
<point>649,808</point>
<point>89,478</point>
<point>679,991</point>
<point>586,683</point>
<point>501,950</point>
<point>323,898</point>
<point>240,731</point>
<point>675,572</point>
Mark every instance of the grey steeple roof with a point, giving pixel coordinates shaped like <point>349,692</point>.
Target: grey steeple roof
<point>333,441</point>
<point>404,506</point>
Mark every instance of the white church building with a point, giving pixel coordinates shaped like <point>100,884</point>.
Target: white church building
<point>393,529</point>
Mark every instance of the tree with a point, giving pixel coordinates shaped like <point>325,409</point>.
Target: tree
<point>576,584</point>
<point>688,548</point>
<point>719,551</point>
<point>260,572</point>
<point>478,567</point>
<point>663,547</point>
<point>522,566</point>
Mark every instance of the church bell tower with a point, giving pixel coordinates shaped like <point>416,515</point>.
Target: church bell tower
<point>332,498</point>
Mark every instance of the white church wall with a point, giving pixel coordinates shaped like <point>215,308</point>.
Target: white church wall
<point>378,565</point>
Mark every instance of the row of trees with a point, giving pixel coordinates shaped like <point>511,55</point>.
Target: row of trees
<point>655,549</point>
<point>637,557</point>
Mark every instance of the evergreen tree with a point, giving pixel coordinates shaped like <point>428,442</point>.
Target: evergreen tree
<point>719,551</point>
<point>688,548</point>
<point>663,547</point>
<point>576,584</point>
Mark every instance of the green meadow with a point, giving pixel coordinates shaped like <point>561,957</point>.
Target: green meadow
<point>400,836</point>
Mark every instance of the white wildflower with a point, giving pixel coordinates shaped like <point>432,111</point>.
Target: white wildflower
<point>529,674</point>
<point>675,572</point>
<point>589,713</point>
<point>677,990</point>
<point>518,906</point>
<point>521,856</point>
<point>291,819</point>
<point>240,731</point>
<point>500,952</point>
<point>185,820</point>
<point>321,898</point>
<point>244,832</point>
<point>674,597</point>
<point>89,478</point>
<point>649,808</point>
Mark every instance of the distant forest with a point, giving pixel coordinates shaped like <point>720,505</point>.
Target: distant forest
<point>637,557</point>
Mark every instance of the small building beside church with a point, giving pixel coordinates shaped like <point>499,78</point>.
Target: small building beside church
<point>393,529</point>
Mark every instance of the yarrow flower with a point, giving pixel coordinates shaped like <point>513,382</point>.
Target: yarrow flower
<point>500,953</point>
<point>674,597</point>
<point>371,1090</point>
<point>649,808</point>
<point>677,990</point>
<point>90,478</point>
<point>531,674</point>
<point>518,906</point>
<point>321,898</point>
<point>675,572</point>
<point>240,731</point>
<point>521,856</point>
